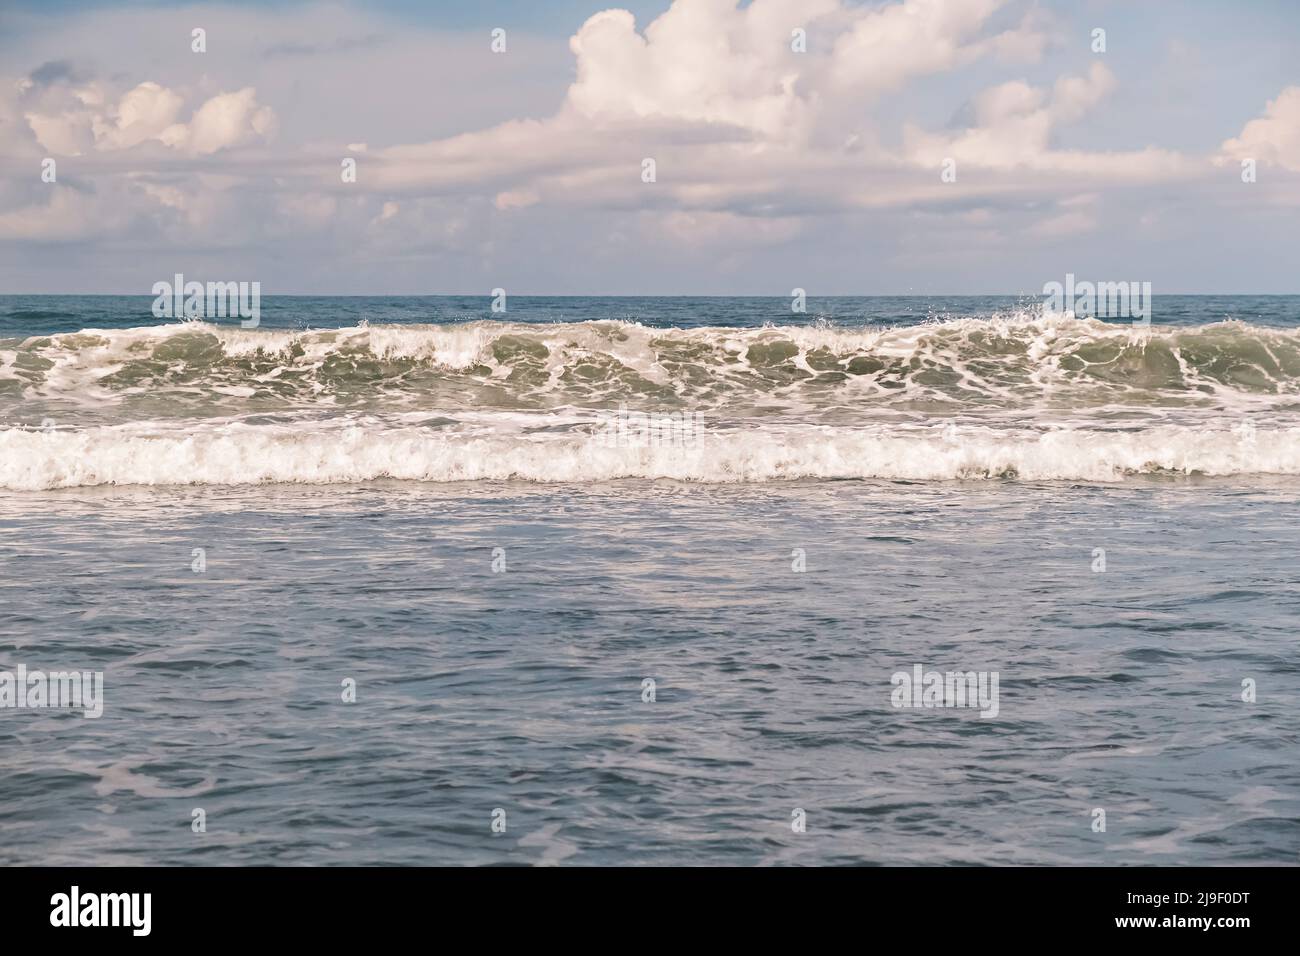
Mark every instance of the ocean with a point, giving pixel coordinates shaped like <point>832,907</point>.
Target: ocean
<point>404,580</point>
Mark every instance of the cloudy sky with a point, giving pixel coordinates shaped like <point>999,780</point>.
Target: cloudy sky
<point>775,167</point>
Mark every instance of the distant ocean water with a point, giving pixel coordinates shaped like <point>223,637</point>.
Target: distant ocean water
<point>460,511</point>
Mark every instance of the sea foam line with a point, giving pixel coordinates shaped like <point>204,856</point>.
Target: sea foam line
<point>239,453</point>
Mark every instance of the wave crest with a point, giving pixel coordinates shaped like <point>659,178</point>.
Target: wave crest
<point>1013,361</point>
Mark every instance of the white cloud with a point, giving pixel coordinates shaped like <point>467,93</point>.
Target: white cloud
<point>1273,137</point>
<point>1014,125</point>
<point>756,145</point>
<point>885,47</point>
<point>147,112</point>
<point>736,120</point>
<point>230,119</point>
<point>699,62</point>
<point>75,122</point>
<point>64,134</point>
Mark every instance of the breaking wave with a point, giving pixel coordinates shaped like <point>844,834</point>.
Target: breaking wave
<point>1015,359</point>
<point>1034,397</point>
<point>334,452</point>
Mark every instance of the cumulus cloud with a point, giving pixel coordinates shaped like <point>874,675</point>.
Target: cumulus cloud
<point>770,121</point>
<point>698,63</point>
<point>1013,126</point>
<point>147,112</point>
<point>75,121</point>
<point>715,61</point>
<point>740,121</point>
<point>229,119</point>
<point>885,47</point>
<point>1273,137</point>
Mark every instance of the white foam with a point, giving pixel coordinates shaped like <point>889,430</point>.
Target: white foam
<point>211,453</point>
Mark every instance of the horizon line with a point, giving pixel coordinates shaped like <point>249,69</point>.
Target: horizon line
<point>640,295</point>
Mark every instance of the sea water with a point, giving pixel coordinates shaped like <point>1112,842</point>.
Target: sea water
<point>403,580</point>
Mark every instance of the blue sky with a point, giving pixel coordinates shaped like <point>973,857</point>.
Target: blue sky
<point>774,167</point>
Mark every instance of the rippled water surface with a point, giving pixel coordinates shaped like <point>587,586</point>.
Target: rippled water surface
<point>522,689</point>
